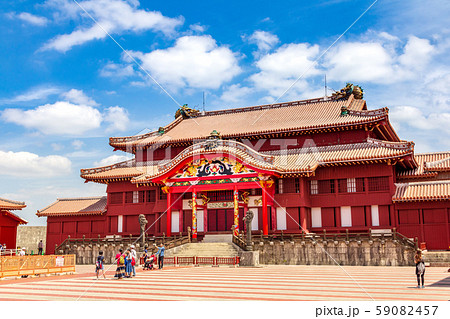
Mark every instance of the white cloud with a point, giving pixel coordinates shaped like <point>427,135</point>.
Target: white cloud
<point>30,18</point>
<point>77,144</point>
<point>197,28</point>
<point>278,70</point>
<point>59,118</point>
<point>25,164</point>
<point>417,53</point>
<point>117,117</point>
<point>414,117</point>
<point>236,94</point>
<point>117,70</point>
<point>37,93</point>
<point>194,61</point>
<point>78,97</point>
<point>115,17</point>
<point>264,40</point>
<point>57,146</point>
<point>113,159</point>
<point>381,60</point>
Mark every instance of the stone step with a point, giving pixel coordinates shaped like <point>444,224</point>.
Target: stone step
<point>437,258</point>
<point>217,238</point>
<point>204,250</point>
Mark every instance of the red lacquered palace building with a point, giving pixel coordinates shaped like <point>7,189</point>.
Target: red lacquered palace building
<point>326,163</point>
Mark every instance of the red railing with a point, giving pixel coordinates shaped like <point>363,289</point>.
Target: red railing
<point>214,261</point>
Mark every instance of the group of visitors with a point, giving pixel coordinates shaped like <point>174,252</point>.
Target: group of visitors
<point>126,262</point>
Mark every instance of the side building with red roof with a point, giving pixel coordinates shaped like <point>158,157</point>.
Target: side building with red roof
<point>313,165</point>
<point>9,222</point>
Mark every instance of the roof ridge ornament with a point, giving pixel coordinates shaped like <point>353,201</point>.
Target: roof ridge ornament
<point>186,112</point>
<point>212,141</point>
<point>348,90</point>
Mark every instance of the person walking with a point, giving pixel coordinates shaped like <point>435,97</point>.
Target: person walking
<point>120,271</point>
<point>160,255</point>
<point>420,268</point>
<point>134,258</point>
<point>40,247</point>
<point>99,264</point>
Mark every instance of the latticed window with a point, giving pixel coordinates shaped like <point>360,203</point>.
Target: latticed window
<point>378,183</point>
<point>290,185</point>
<point>280,186</point>
<point>162,195</point>
<point>258,191</point>
<point>219,196</point>
<point>297,185</point>
<point>350,185</point>
<point>314,187</point>
<point>151,196</point>
<point>326,186</point>
<point>141,196</point>
<point>360,184</point>
<point>128,197</point>
<point>115,198</point>
<point>135,197</point>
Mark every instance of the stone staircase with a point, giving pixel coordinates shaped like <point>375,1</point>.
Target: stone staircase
<point>437,258</point>
<point>204,250</point>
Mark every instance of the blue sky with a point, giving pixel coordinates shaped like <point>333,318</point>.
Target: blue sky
<point>66,87</point>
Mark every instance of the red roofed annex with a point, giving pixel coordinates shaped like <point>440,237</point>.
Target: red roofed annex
<point>9,222</point>
<point>321,164</point>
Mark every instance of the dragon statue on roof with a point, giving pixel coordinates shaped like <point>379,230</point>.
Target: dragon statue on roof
<point>186,112</point>
<point>349,89</point>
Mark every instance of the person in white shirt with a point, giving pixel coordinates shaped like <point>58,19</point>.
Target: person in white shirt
<point>22,252</point>
<point>134,255</point>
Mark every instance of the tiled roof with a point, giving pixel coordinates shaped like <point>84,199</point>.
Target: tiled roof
<point>75,206</point>
<point>422,191</point>
<point>16,217</point>
<point>11,204</point>
<point>265,119</point>
<point>428,165</point>
<point>295,161</point>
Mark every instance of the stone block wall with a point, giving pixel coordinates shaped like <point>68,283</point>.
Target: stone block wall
<point>87,254</point>
<point>29,237</point>
<point>376,252</point>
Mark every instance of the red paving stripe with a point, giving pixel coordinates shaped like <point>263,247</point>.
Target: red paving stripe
<point>361,294</point>
<point>236,285</point>
<point>231,277</point>
<point>274,289</point>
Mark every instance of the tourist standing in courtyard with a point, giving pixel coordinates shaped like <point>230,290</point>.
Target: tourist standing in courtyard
<point>99,264</point>
<point>420,268</point>
<point>128,267</point>
<point>134,258</point>
<point>120,271</point>
<point>40,247</point>
<point>160,255</point>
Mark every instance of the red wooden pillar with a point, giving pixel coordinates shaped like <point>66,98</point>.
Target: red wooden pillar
<point>205,218</point>
<point>181,222</point>
<point>273,212</point>
<point>303,224</point>
<point>194,215</point>
<point>264,212</point>
<point>169,214</point>
<point>421,222</point>
<point>447,228</point>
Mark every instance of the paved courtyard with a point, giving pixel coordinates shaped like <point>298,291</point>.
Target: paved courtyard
<point>208,283</point>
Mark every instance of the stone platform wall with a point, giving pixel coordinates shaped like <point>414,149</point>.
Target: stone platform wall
<point>29,237</point>
<point>377,252</point>
<point>87,254</point>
